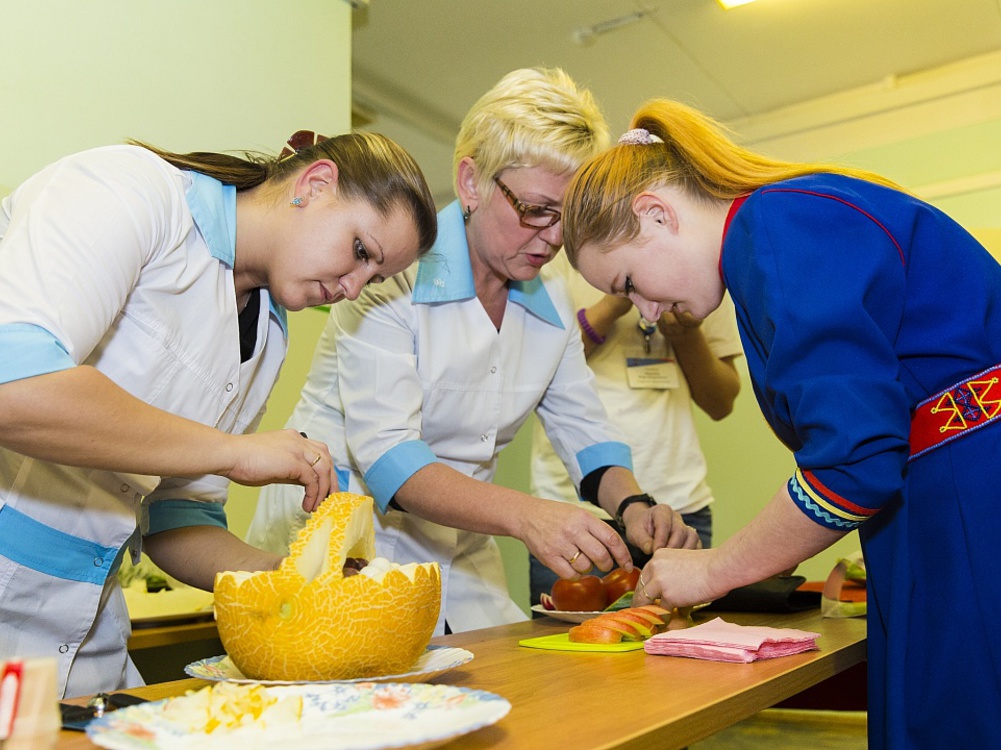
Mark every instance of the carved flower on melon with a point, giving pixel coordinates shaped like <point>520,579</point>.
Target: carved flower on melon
<point>308,620</point>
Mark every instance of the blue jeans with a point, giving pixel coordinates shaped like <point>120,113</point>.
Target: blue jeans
<point>541,578</point>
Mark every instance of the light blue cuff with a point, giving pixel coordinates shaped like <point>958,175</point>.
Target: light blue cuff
<point>165,515</point>
<point>27,350</point>
<point>41,548</point>
<point>600,455</point>
<point>395,467</point>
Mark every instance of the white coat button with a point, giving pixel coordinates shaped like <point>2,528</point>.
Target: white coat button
<point>493,369</point>
<point>63,649</point>
<point>484,438</point>
<point>229,387</point>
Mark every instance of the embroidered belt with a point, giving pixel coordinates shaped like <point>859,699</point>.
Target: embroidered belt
<point>956,411</point>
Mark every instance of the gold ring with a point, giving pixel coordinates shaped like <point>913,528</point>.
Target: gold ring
<point>643,586</point>
<point>573,559</point>
<point>316,460</point>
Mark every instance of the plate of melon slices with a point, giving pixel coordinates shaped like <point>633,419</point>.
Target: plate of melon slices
<point>364,716</point>
<point>435,661</point>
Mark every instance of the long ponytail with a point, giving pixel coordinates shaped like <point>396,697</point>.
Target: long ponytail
<point>695,154</point>
<point>369,166</point>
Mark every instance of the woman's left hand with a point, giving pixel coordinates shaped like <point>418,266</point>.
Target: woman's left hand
<point>677,578</point>
<point>657,526</point>
<point>285,457</point>
<point>570,541</point>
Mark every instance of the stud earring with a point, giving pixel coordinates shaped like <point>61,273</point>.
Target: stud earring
<point>467,213</point>
<point>297,201</point>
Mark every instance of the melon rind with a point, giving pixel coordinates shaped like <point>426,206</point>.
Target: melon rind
<point>307,622</point>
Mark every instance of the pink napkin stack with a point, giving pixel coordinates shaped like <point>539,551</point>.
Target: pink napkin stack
<point>719,640</point>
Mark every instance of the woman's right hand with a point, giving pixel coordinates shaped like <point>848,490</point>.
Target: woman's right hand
<point>570,541</point>
<point>285,457</point>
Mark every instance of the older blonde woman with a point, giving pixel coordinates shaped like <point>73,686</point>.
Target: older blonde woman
<point>419,385</point>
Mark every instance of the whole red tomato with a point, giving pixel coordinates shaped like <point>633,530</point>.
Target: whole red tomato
<point>586,594</point>
<point>619,582</point>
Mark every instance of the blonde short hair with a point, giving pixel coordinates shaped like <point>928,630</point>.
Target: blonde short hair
<point>531,117</point>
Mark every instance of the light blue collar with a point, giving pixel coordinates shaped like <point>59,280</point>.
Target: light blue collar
<point>213,207</point>
<point>446,275</point>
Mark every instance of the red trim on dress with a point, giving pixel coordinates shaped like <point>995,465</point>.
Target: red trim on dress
<point>866,214</point>
<point>734,208</point>
<point>835,497</point>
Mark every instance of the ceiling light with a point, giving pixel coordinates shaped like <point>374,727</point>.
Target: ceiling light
<point>727,4</point>
<point>586,34</point>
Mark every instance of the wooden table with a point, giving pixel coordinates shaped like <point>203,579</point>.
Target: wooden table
<point>596,701</point>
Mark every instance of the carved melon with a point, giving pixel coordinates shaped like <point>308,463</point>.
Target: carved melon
<point>309,621</point>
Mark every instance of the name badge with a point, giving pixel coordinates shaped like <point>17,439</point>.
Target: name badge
<point>645,371</point>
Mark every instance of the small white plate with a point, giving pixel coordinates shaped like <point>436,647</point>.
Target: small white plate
<point>435,661</point>
<point>334,717</point>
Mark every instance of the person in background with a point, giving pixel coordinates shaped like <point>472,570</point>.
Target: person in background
<point>871,323</point>
<point>648,375</point>
<point>419,384</point>
<point>143,299</point>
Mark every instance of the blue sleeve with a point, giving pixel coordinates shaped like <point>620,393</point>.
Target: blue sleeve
<point>821,286</point>
<point>395,467</point>
<point>27,350</point>
<point>603,455</point>
<point>165,515</point>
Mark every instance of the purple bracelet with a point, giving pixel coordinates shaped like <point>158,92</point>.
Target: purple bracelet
<point>586,328</point>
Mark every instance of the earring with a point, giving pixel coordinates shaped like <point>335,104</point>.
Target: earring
<point>297,201</point>
<point>467,213</point>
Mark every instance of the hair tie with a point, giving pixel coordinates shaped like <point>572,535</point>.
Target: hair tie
<point>639,137</point>
<point>299,140</point>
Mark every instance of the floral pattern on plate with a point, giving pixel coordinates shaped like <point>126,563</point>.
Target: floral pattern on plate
<point>434,661</point>
<point>337,716</point>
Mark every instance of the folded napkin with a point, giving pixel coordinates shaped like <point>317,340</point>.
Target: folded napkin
<point>719,640</point>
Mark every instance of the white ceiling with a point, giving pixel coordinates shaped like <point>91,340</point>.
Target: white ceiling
<point>419,64</point>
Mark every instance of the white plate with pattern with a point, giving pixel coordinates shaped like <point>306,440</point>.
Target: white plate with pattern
<point>340,716</point>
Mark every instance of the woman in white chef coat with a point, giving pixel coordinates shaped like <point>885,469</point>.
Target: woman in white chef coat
<point>419,384</point>
<point>142,327</point>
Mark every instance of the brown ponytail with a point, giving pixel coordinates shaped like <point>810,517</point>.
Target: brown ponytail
<point>369,167</point>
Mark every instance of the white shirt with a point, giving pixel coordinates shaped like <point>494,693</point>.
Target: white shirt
<point>667,457</point>
<point>115,259</point>
<point>414,372</point>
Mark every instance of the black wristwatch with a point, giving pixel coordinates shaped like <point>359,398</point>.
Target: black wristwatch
<point>644,498</point>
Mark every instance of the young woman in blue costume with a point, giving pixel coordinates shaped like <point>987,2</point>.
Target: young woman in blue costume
<point>142,328</point>
<point>871,323</point>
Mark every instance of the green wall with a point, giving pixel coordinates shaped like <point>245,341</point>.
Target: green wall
<point>184,75</point>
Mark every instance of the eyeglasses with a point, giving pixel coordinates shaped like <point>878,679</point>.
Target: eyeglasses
<point>530,215</point>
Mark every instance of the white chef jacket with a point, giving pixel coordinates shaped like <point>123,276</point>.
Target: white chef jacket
<point>667,456</point>
<point>415,372</point>
<point>115,259</point>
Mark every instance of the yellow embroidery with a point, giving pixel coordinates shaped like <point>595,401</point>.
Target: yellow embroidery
<point>956,419</point>
<point>979,389</point>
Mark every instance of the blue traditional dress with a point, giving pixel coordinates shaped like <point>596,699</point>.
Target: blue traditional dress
<point>861,309</point>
